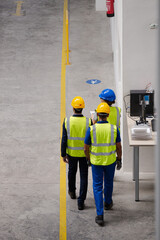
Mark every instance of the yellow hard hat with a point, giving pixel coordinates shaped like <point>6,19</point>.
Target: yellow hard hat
<point>103,108</point>
<point>78,102</point>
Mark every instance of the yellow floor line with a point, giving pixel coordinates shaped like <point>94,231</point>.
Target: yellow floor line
<point>18,9</point>
<point>62,216</point>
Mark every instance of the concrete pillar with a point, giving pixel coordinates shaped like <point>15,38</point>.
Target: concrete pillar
<point>157,205</point>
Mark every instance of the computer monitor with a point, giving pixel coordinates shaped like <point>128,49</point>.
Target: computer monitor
<point>136,98</point>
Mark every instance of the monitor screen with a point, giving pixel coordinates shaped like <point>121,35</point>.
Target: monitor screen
<point>136,98</point>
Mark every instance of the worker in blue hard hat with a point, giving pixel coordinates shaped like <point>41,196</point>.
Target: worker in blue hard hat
<point>108,96</point>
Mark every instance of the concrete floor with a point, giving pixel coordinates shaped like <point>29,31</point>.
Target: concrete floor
<point>30,67</point>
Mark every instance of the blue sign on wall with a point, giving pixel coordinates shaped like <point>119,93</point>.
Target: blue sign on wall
<point>93,81</point>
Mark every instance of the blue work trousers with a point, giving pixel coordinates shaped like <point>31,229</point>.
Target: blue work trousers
<point>72,170</point>
<point>98,174</point>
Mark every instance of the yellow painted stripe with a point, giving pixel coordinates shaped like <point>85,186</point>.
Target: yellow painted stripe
<point>62,216</point>
<point>67,38</point>
<point>18,9</point>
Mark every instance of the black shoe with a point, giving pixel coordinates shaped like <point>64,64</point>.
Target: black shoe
<point>99,220</point>
<point>80,206</point>
<point>108,206</point>
<point>72,195</point>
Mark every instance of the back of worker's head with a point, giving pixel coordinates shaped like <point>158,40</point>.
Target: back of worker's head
<point>108,96</point>
<point>103,110</point>
<point>78,104</point>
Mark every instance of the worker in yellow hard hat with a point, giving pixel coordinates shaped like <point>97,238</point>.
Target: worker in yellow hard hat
<point>102,142</point>
<point>108,95</point>
<point>72,149</point>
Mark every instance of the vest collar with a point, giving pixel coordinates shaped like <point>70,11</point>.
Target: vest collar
<point>77,115</point>
<point>102,122</point>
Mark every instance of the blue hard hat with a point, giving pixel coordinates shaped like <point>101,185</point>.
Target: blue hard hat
<point>108,95</point>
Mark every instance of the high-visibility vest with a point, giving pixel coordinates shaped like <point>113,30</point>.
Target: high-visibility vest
<point>76,130</point>
<point>114,116</point>
<point>103,144</point>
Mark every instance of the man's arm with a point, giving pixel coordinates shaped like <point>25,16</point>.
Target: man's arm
<point>87,143</point>
<point>119,155</point>
<point>64,144</point>
<point>86,151</point>
<point>119,150</point>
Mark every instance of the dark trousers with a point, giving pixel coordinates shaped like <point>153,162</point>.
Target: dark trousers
<point>72,170</point>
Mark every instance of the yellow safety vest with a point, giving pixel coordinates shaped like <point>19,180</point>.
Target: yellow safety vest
<point>114,116</point>
<point>103,144</point>
<point>76,130</point>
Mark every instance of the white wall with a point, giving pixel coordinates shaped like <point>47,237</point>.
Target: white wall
<point>135,61</point>
<point>139,65</point>
<point>100,5</point>
<point>116,35</point>
<point>116,29</point>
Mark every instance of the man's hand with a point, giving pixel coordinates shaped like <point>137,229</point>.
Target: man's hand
<point>118,164</point>
<point>65,159</point>
<point>94,116</point>
<point>88,162</point>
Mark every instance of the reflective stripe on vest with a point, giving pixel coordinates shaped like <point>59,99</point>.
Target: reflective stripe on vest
<point>103,154</point>
<point>76,129</point>
<point>103,144</point>
<point>76,148</point>
<point>118,117</point>
<point>76,138</point>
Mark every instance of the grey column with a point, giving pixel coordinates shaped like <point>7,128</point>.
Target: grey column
<point>136,172</point>
<point>133,163</point>
<point>157,165</point>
